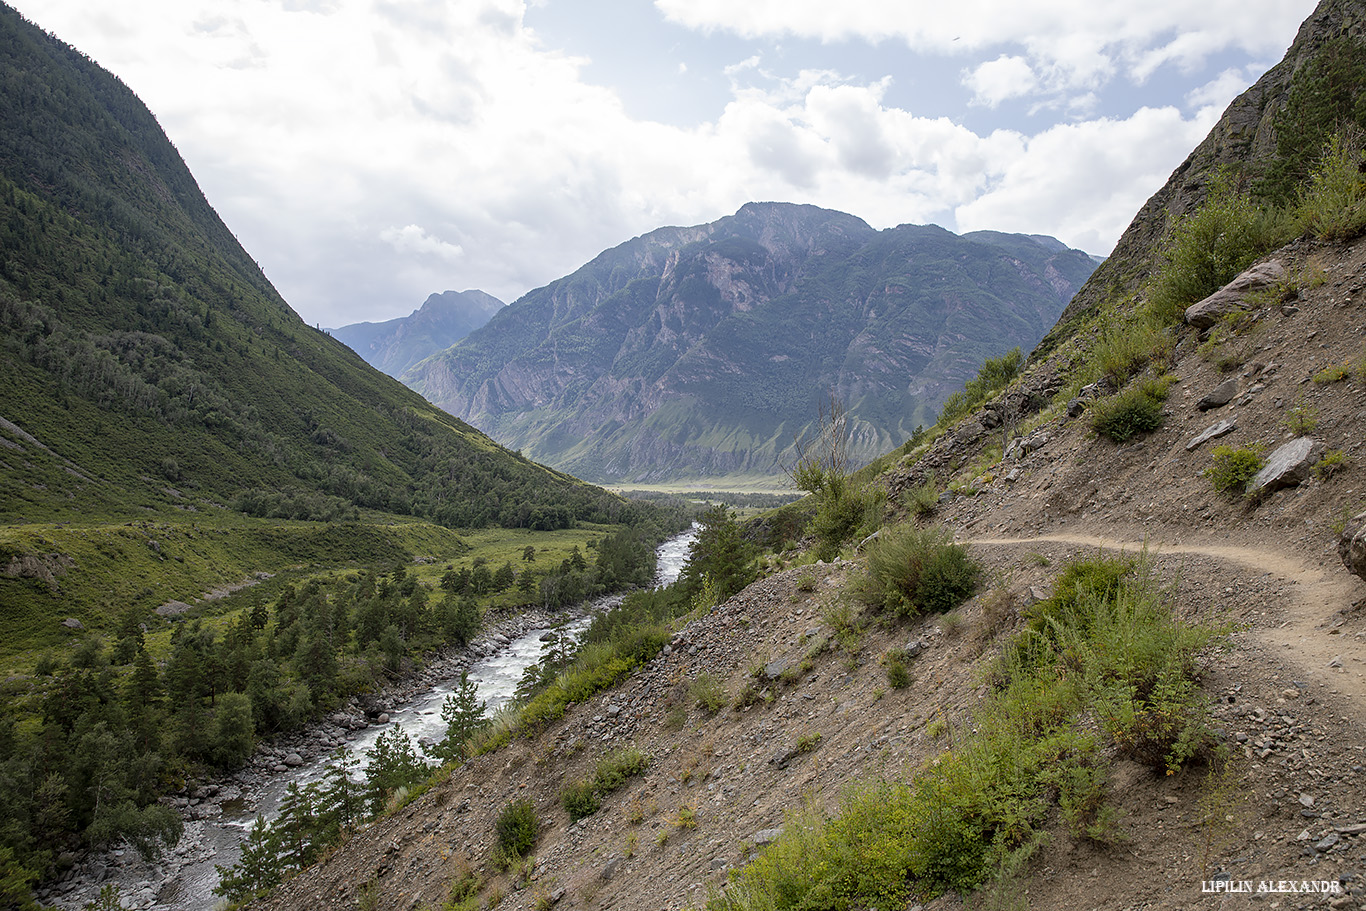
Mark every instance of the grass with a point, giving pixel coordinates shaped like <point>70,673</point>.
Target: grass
<point>707,693</point>
<point>1104,668</point>
<point>922,500</point>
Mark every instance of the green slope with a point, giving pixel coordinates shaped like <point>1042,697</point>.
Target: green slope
<point>146,363</point>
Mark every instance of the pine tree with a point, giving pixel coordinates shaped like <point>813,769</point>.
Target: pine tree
<point>464,715</point>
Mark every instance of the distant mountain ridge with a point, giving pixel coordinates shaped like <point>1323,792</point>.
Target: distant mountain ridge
<point>703,352</point>
<point>443,319</point>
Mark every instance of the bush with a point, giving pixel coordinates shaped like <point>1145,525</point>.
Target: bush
<point>1333,204</point>
<point>516,829</point>
<point>913,571</point>
<point>994,375</point>
<point>1136,409</point>
<point>922,500</point>
<point>580,800</point>
<point>1233,468</point>
<point>584,798</point>
<point>1207,248</point>
<point>898,676</point>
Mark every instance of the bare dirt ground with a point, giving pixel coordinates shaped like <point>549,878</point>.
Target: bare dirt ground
<point>1289,694</point>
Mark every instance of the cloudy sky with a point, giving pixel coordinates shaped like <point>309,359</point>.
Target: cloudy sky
<point>370,152</point>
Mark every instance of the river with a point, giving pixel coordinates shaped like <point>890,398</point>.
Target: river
<point>220,815</point>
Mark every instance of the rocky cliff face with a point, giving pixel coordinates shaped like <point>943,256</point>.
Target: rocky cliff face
<point>704,351</point>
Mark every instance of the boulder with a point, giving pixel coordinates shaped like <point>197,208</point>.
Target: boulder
<point>73,623</point>
<point>1287,466</point>
<point>1209,433</point>
<point>1219,396</point>
<point>1233,297</point>
<point>1352,545</point>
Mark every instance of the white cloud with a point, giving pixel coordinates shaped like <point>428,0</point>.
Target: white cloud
<point>997,80</point>
<point>1216,94</point>
<point>369,154</point>
<point>1079,43</point>
<point>1083,182</point>
<point>415,239</point>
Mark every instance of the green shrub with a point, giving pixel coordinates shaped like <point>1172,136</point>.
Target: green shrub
<point>922,500</point>
<point>1333,204</point>
<point>1207,248</point>
<point>1135,409</point>
<point>1125,347</point>
<point>1301,419</point>
<point>516,829</point>
<point>898,676</point>
<point>584,798</point>
<point>1333,461</point>
<point>842,514</point>
<point>913,571</point>
<point>1333,373</point>
<point>994,375</point>
<point>580,799</point>
<point>1232,468</point>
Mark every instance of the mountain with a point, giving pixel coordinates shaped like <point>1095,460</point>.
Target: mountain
<point>1156,694</point>
<point>443,319</point>
<point>706,351</point>
<point>147,364</point>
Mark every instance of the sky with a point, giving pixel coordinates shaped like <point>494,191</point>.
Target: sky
<point>368,153</point>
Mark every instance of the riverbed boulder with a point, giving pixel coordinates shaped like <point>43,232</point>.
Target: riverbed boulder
<point>1352,545</point>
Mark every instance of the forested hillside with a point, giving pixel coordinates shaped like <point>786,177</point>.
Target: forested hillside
<point>146,362</point>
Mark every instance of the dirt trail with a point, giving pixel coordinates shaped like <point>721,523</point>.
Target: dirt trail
<point>1321,595</point>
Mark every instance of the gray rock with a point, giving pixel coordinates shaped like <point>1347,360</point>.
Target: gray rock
<point>1352,545</point>
<point>1327,841</point>
<point>1287,466</point>
<point>294,760</point>
<point>774,669</point>
<point>73,623</point>
<point>1232,298</point>
<point>767,836</point>
<point>1214,431</point>
<point>611,868</point>
<point>1219,396</point>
